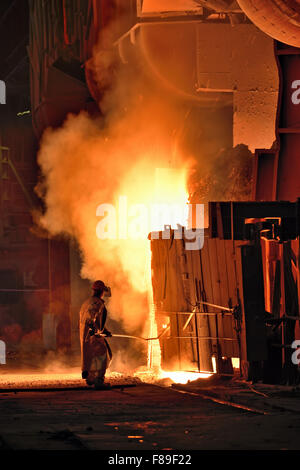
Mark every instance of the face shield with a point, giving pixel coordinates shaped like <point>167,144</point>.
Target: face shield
<point>107,292</point>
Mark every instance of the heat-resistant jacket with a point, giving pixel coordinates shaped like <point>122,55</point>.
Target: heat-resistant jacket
<point>93,315</point>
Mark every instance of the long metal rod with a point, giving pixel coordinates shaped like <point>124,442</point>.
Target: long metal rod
<point>133,337</point>
<point>196,313</point>
<point>169,337</point>
<point>291,317</point>
<point>216,306</point>
<point>188,321</point>
<point>202,337</point>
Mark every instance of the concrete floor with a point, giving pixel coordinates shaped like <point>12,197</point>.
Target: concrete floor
<point>143,417</point>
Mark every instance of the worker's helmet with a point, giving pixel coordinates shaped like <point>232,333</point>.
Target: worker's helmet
<point>99,285</point>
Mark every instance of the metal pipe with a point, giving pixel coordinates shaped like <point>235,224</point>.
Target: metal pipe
<point>201,337</point>
<point>169,337</point>
<point>132,337</point>
<point>216,306</point>
<point>188,321</point>
<point>196,313</point>
<point>164,331</point>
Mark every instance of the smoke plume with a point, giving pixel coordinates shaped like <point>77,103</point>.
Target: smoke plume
<point>91,161</point>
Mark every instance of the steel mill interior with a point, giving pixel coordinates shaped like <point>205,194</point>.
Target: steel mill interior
<point>149,226</point>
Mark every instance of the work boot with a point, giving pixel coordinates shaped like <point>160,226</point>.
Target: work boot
<point>103,386</point>
<point>90,382</point>
<point>100,385</point>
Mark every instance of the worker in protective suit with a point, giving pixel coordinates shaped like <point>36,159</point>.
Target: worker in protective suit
<point>95,351</point>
